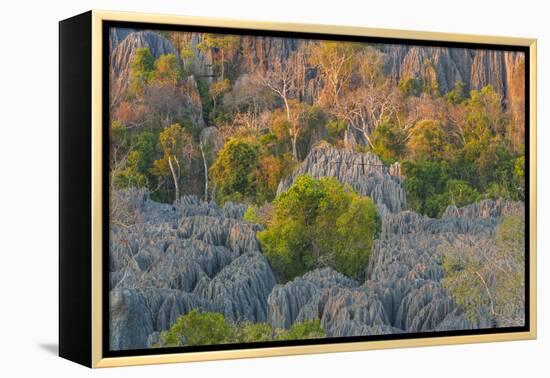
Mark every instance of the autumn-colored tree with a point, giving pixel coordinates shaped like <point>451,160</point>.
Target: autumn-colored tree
<point>337,63</point>
<point>427,140</point>
<point>167,70</point>
<point>217,89</point>
<point>281,80</point>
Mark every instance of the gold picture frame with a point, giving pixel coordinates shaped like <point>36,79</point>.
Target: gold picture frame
<point>93,355</point>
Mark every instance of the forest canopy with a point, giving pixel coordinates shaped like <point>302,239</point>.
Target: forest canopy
<point>235,132</point>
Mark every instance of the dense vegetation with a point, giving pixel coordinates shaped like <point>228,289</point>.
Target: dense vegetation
<point>317,223</point>
<point>209,328</point>
<point>216,120</point>
<point>494,279</point>
<point>455,147</point>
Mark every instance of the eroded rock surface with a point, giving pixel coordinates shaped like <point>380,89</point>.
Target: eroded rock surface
<point>192,254</point>
<point>365,173</point>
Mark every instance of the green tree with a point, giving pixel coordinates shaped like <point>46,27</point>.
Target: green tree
<point>198,328</point>
<point>309,329</point>
<point>411,86</point>
<point>232,172</point>
<point>130,175</point>
<point>389,142</point>
<point>224,48</point>
<point>319,223</point>
<point>457,95</point>
<point>355,229</point>
<point>141,66</point>
<point>217,89</point>
<point>253,332</point>
<point>457,192</point>
<point>211,328</point>
<point>424,179</point>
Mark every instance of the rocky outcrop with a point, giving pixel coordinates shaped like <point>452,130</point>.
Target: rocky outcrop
<point>403,292</point>
<point>192,254</point>
<point>365,173</point>
<point>241,289</point>
<point>137,314</point>
<point>121,57</point>
<point>476,68</point>
<point>117,35</point>
<point>286,301</point>
<point>485,209</point>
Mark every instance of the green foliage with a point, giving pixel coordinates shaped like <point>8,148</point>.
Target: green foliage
<point>457,95</point>
<point>117,133</point>
<point>198,328</point>
<point>206,100</point>
<point>133,168</point>
<point>141,67</point>
<point>480,159</point>
<point>232,172</point>
<point>411,86</point>
<point>253,332</point>
<point>177,147</point>
<point>223,48</point>
<point>251,214</point>
<point>209,328</point>
<point>457,193</point>
<point>491,276</point>
<point>336,130</point>
<point>427,140</point>
<point>144,143</point>
<point>167,70</point>
<point>309,329</point>
<point>130,176</point>
<point>319,223</point>
<point>355,232</point>
<point>389,142</point>
<point>425,179</point>
<point>519,176</point>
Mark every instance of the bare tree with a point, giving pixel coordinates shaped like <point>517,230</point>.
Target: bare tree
<point>281,79</point>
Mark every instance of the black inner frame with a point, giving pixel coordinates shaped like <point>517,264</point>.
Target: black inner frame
<point>106,25</point>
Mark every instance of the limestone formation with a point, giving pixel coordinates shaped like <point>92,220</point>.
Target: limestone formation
<point>193,254</point>
<point>122,54</point>
<point>365,173</point>
<point>475,68</point>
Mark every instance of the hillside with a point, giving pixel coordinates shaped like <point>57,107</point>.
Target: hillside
<point>266,189</point>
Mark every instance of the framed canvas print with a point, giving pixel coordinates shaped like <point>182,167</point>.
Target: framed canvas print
<point>236,189</point>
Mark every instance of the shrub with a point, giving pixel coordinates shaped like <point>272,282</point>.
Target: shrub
<point>208,328</point>
<point>232,171</point>
<point>319,223</point>
<point>198,328</point>
<point>309,329</point>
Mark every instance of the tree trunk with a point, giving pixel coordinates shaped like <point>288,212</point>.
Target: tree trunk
<point>205,164</point>
<point>287,107</point>
<point>175,177</point>
<point>294,149</point>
